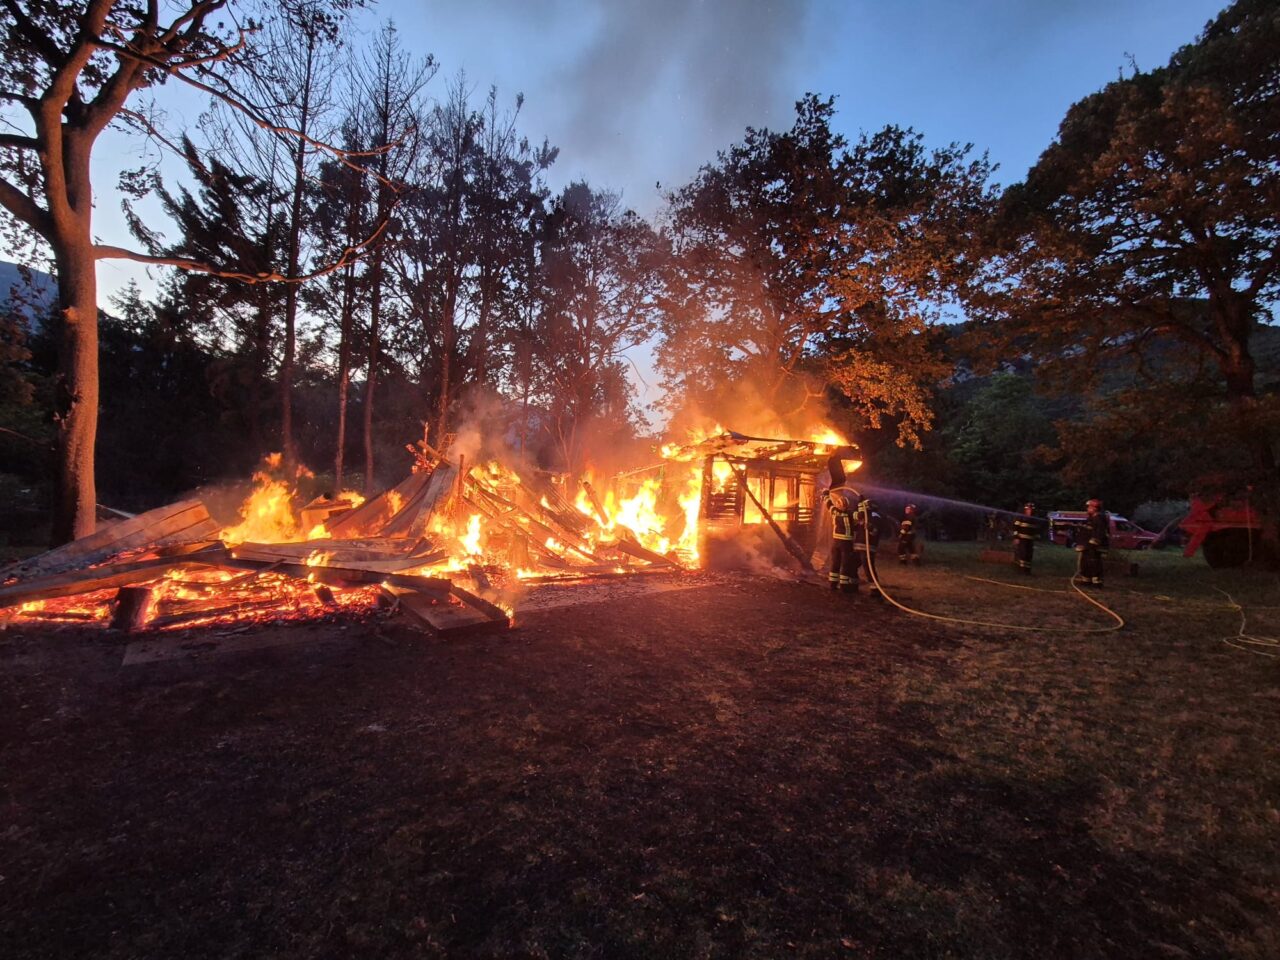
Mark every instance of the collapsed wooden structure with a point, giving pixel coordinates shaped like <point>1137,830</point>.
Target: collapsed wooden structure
<point>170,568</point>
<point>408,548</point>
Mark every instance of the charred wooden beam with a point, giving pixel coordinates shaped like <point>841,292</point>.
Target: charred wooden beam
<point>133,609</point>
<point>631,548</point>
<point>185,521</point>
<point>792,547</point>
<point>442,617</point>
<point>99,578</point>
<point>374,513</point>
<point>595,502</point>
<point>491,610</point>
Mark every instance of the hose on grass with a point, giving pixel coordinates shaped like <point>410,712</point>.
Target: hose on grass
<point>1241,638</point>
<point>964,621</point>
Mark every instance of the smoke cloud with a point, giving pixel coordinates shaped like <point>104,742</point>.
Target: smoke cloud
<point>632,92</point>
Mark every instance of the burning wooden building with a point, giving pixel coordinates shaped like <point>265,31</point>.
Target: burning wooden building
<point>760,494</point>
<point>449,522</point>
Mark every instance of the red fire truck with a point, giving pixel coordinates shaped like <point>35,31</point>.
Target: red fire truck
<point>1230,531</point>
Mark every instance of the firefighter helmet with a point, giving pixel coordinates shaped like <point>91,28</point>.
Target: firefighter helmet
<point>1028,508</point>
<point>911,509</point>
<point>1094,504</point>
<point>844,498</point>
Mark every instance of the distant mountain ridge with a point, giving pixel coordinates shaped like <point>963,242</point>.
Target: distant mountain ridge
<point>39,297</point>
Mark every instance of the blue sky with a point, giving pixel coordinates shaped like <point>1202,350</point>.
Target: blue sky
<point>637,92</point>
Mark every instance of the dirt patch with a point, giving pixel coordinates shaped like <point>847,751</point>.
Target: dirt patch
<point>747,768</point>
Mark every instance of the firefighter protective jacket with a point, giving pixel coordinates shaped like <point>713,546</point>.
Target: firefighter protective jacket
<point>1024,528</point>
<point>841,521</point>
<point>866,527</point>
<point>1098,527</point>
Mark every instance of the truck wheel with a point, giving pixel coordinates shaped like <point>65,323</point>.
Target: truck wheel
<point>1227,548</point>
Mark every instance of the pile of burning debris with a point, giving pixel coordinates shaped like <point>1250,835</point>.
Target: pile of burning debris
<point>409,548</point>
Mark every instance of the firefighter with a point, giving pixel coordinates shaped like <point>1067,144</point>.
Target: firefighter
<point>908,547</point>
<point>842,574</point>
<point>866,541</point>
<point>1093,540</point>
<point>1024,538</point>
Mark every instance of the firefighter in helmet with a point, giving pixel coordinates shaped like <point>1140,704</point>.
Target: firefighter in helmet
<point>1092,543</point>
<point>908,546</point>
<point>1024,538</point>
<point>866,541</point>
<point>842,502</point>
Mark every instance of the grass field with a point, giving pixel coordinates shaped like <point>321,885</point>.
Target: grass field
<point>749,768</point>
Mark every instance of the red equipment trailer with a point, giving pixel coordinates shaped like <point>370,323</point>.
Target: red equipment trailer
<point>1230,531</point>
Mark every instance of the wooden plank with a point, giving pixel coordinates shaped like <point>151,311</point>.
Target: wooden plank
<point>97,578</point>
<point>444,618</point>
<point>336,576</point>
<point>373,514</point>
<point>481,605</point>
<point>188,520</point>
<point>231,610</point>
<point>412,520</point>
<point>511,514</point>
<point>332,554</point>
<point>595,502</point>
<point>587,573</point>
<point>634,549</point>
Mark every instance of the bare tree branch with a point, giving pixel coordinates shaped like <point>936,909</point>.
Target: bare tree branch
<point>241,105</point>
<point>25,209</point>
<point>15,141</point>
<point>349,255</point>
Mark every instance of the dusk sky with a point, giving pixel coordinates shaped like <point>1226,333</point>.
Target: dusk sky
<point>636,93</point>
<point>639,92</point>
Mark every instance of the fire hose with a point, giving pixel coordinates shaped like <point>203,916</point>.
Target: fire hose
<point>875,579</point>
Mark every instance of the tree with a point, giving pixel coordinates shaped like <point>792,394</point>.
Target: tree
<point>599,285</point>
<point>72,67</point>
<point>802,262</point>
<point>1000,444</point>
<point>1143,252</point>
<point>233,219</point>
<point>301,48</point>
<point>389,83</point>
<point>341,215</point>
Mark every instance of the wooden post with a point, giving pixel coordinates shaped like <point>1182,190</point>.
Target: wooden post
<point>133,609</point>
<point>793,548</point>
<point>595,502</point>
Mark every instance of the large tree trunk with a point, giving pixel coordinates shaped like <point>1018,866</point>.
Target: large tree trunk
<point>371,377</point>
<point>295,244</point>
<point>76,389</point>
<point>344,372</point>
<point>447,335</point>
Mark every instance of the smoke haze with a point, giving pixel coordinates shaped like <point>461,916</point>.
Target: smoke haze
<point>648,91</point>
